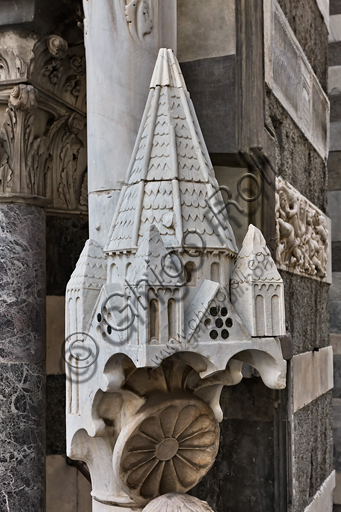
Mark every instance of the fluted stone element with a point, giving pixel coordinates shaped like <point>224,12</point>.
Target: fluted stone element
<point>175,502</point>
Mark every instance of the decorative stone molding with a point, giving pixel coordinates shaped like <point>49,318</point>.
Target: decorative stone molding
<point>139,17</point>
<point>291,78</point>
<point>42,133</point>
<point>175,502</point>
<point>303,234</point>
<point>152,332</point>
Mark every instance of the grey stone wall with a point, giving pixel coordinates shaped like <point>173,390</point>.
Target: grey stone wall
<point>247,473</point>
<point>313,449</point>
<point>334,211</point>
<point>306,21</point>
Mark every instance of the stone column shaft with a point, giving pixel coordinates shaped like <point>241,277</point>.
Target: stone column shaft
<point>122,40</point>
<point>22,357</point>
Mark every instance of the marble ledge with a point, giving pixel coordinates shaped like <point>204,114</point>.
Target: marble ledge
<point>312,376</point>
<point>9,198</point>
<point>323,499</point>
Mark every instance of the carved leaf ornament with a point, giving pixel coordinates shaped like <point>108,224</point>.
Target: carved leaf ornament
<point>175,502</point>
<point>168,448</point>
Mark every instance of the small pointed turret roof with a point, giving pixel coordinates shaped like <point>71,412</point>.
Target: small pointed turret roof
<point>254,262</point>
<point>152,262</point>
<point>91,268</point>
<point>170,178</point>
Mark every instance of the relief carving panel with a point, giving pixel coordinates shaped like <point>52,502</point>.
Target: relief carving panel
<point>302,234</point>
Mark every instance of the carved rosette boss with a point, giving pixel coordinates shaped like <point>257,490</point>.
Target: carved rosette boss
<point>153,332</point>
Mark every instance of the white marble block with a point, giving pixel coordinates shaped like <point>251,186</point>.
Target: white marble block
<point>122,39</point>
<point>152,333</point>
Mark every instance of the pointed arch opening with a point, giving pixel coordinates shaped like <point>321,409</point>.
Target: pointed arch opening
<point>154,320</point>
<point>215,272</point>
<point>190,271</point>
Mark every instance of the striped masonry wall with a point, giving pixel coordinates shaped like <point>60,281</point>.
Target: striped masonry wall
<point>334,211</point>
<point>67,490</point>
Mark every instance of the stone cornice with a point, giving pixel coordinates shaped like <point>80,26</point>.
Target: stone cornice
<point>24,199</point>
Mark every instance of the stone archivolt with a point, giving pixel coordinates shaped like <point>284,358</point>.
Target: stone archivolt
<point>168,334</point>
<point>43,134</point>
<point>302,236</point>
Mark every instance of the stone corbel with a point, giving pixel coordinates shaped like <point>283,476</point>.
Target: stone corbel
<point>154,330</point>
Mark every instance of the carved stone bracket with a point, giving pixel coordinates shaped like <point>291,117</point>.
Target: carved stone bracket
<point>153,333</point>
<point>303,234</point>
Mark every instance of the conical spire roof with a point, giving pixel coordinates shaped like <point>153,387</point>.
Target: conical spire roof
<point>170,180</point>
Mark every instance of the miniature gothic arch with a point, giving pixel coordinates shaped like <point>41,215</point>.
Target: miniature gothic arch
<point>168,341</point>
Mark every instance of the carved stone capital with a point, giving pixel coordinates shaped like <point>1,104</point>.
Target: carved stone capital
<point>51,165</point>
<point>42,132</point>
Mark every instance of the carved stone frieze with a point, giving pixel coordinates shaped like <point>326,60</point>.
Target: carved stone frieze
<point>302,234</point>
<point>177,502</point>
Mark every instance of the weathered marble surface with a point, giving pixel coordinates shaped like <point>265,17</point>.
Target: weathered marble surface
<point>117,89</point>
<point>22,437</point>
<point>22,283</point>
